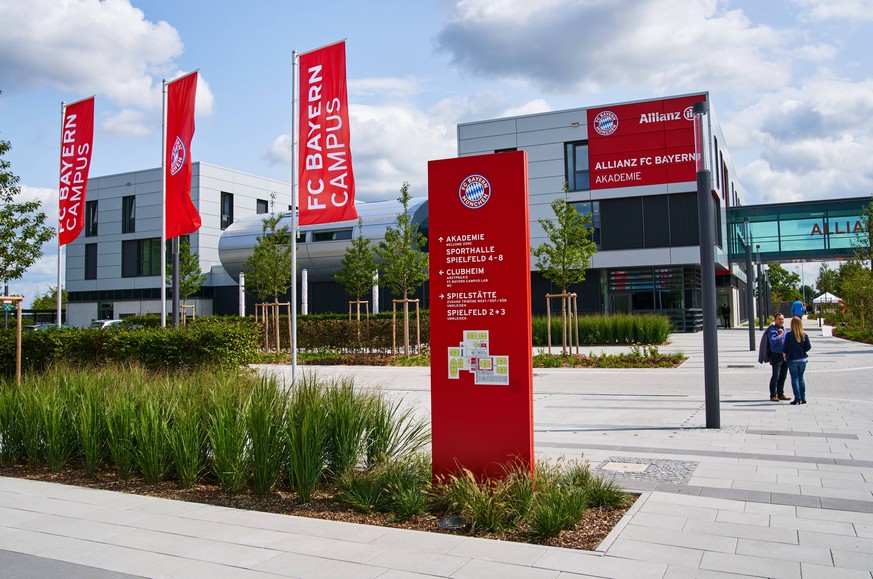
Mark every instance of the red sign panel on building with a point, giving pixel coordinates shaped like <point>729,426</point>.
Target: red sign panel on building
<point>481,368</point>
<point>647,143</point>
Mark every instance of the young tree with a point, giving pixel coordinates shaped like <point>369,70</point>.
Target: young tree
<point>784,283</point>
<point>857,291</point>
<point>356,271</point>
<point>863,241</point>
<point>268,268</point>
<point>49,300</point>
<point>828,280</point>
<point>405,264</point>
<point>22,225</point>
<point>191,279</point>
<point>565,257</point>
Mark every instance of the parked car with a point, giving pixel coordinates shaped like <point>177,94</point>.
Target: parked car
<point>104,323</point>
<point>42,326</point>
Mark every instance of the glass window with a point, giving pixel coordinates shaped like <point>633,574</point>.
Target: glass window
<point>683,220</point>
<point>150,256</point>
<point>656,224</point>
<point>332,235</point>
<point>141,257</point>
<point>128,214</point>
<point>90,218</point>
<point>622,223</point>
<point>576,165</point>
<point>262,206</point>
<point>90,261</point>
<point>593,209</point>
<point>226,209</point>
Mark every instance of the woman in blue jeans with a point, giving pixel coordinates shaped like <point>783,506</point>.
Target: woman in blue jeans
<point>795,350</point>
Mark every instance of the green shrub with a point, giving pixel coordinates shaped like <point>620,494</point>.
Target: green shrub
<point>266,428</point>
<point>347,416</point>
<point>603,492</point>
<point>11,424</point>
<point>90,425</point>
<point>228,436</point>
<point>605,330</point>
<point>306,437</point>
<point>152,453</point>
<point>188,440</point>
<point>121,419</point>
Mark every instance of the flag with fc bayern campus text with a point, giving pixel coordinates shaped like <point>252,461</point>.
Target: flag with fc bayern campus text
<point>326,181</point>
<point>77,136</point>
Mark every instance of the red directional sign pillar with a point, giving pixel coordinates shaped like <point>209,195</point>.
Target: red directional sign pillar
<point>480,334</point>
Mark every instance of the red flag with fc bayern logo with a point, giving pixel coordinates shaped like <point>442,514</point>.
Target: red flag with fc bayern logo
<point>181,215</point>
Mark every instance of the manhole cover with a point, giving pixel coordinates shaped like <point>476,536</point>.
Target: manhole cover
<point>624,467</point>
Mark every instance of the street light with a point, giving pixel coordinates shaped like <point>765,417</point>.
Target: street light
<point>705,226</point>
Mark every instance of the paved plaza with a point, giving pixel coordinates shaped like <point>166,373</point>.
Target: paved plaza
<point>777,491</point>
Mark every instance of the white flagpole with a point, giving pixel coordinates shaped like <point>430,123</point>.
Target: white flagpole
<point>60,247</point>
<point>164,211</point>
<point>294,216</point>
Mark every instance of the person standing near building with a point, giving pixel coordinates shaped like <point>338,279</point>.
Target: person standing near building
<point>796,346</point>
<point>726,315</point>
<point>778,367</point>
<point>797,309</point>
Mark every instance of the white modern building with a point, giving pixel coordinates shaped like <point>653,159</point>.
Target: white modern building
<point>113,268</point>
<point>633,167</point>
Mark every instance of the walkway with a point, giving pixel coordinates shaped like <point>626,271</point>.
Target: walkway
<point>777,491</point>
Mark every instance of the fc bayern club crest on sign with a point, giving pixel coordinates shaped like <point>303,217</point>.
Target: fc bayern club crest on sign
<point>177,156</point>
<point>475,191</point>
<point>605,123</point>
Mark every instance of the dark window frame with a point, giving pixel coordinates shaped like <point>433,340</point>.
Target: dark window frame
<point>226,210</point>
<point>128,214</point>
<point>577,179</point>
<point>90,261</point>
<point>91,218</point>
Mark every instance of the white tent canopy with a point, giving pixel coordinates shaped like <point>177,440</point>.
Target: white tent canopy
<point>826,298</point>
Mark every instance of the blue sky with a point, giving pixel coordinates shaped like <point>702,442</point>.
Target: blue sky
<point>790,80</point>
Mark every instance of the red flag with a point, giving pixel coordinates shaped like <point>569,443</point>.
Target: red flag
<point>76,143</point>
<point>327,183</point>
<point>182,216</point>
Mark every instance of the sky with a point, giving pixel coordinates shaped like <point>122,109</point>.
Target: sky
<point>790,82</point>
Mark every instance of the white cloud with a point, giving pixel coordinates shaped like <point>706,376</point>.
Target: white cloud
<point>128,122</point>
<point>814,141</point>
<point>528,108</point>
<point>86,46</point>
<point>655,46</point>
<point>387,86</point>
<point>836,9</point>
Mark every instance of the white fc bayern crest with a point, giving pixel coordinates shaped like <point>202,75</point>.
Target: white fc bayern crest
<point>475,191</point>
<point>177,156</point>
<point>605,123</point>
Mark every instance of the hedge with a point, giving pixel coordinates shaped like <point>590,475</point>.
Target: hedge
<point>210,342</point>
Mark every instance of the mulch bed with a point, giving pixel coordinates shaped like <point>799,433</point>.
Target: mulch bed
<point>590,532</point>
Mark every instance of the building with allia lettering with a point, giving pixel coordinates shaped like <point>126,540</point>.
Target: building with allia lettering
<point>632,167</point>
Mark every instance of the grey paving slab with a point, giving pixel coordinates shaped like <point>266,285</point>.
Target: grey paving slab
<point>771,550</point>
<point>21,566</point>
<point>812,571</point>
<point>297,565</point>
<point>205,570</point>
<point>506,552</point>
<point>420,561</point>
<point>476,569</point>
<point>689,539</point>
<point>852,560</point>
<point>741,531</point>
<point>745,565</point>
<point>597,566</point>
<point>643,551</point>
<point>842,542</point>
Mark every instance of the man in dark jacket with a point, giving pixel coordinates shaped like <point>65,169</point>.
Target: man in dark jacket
<point>779,369</point>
